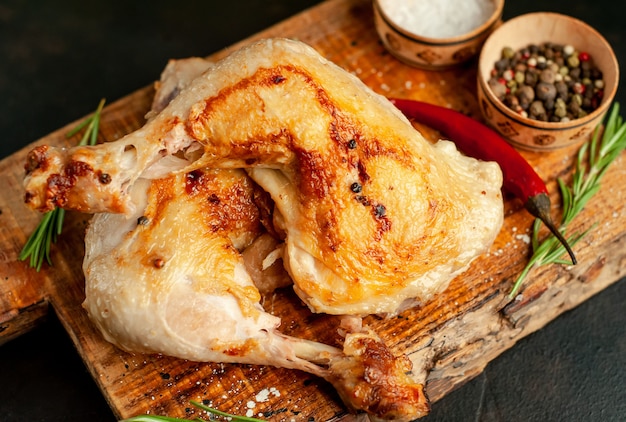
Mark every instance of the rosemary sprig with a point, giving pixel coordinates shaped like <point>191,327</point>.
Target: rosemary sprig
<point>593,160</point>
<point>37,246</point>
<point>228,416</point>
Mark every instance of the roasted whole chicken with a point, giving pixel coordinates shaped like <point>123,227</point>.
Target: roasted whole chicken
<point>363,214</point>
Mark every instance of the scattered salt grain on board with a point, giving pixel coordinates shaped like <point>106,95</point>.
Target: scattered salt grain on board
<point>438,18</point>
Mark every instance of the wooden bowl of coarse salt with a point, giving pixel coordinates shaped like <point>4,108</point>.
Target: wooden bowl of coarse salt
<point>570,84</point>
<point>435,34</point>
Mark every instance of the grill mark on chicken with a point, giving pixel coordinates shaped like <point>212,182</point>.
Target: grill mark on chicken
<point>316,177</point>
<point>230,212</point>
<point>60,185</point>
<point>363,176</point>
<point>163,192</point>
<point>36,159</point>
<point>229,209</point>
<point>76,169</point>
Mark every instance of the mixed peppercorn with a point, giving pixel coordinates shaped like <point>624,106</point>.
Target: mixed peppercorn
<point>547,82</point>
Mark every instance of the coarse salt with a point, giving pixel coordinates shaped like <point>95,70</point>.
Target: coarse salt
<point>264,394</point>
<point>438,18</point>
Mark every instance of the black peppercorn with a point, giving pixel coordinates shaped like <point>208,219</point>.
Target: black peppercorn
<point>537,111</point>
<point>545,91</point>
<point>547,75</point>
<point>498,89</point>
<point>380,211</point>
<point>356,187</point>
<point>526,95</point>
<point>104,178</point>
<point>574,73</point>
<point>561,89</point>
<point>531,77</point>
<point>502,64</point>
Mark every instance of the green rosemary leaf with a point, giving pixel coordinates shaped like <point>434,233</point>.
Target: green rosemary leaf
<point>567,196</point>
<point>592,145</point>
<point>614,135</point>
<point>90,136</point>
<point>583,198</point>
<point>87,134</point>
<point>592,162</point>
<point>93,140</point>
<point>79,127</point>
<point>535,237</point>
<point>60,219</point>
<point>614,119</point>
<point>38,245</point>
<point>578,178</point>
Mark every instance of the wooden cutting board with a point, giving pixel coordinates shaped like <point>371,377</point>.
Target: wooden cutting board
<point>449,340</point>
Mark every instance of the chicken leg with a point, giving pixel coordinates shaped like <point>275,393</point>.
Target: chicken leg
<point>170,278</point>
<point>374,215</point>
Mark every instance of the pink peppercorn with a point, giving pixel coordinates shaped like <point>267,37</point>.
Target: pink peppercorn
<point>579,88</point>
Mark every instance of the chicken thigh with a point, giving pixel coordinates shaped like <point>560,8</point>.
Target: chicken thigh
<point>170,279</point>
<point>374,215</point>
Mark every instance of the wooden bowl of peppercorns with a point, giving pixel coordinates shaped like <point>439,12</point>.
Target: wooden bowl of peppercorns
<point>546,80</point>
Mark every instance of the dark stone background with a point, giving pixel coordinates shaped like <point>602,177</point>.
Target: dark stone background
<point>57,59</point>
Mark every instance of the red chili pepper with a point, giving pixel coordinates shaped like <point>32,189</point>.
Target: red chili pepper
<point>477,140</point>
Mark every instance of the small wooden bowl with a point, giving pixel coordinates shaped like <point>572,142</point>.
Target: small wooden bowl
<point>433,53</point>
<point>538,28</point>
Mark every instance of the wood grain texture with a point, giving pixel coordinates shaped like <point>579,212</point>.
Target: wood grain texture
<point>449,340</point>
